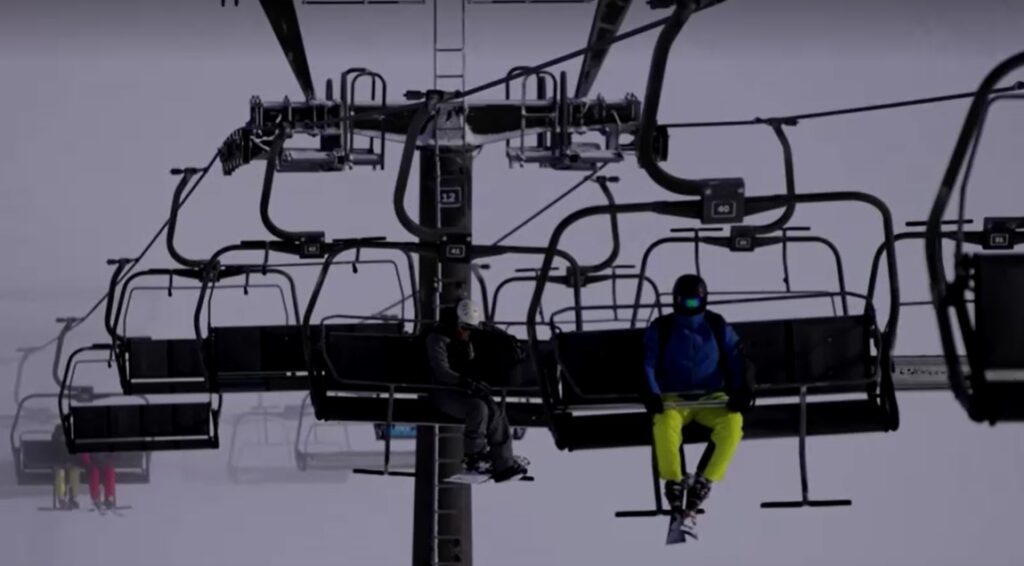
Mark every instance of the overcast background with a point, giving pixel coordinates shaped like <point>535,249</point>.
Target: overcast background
<point>101,99</point>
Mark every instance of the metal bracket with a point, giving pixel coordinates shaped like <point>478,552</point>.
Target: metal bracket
<point>999,233</point>
<point>311,248</point>
<point>723,201</point>
<point>742,239</point>
<point>455,248</point>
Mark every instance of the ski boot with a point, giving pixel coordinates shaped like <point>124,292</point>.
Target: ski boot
<point>517,469</point>
<point>674,492</point>
<point>477,464</point>
<point>109,504</point>
<point>681,524</point>
<point>72,503</point>
<point>698,489</point>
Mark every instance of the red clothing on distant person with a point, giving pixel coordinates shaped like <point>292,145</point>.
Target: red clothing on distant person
<point>100,468</point>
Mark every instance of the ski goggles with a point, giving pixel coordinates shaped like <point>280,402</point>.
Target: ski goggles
<point>690,302</point>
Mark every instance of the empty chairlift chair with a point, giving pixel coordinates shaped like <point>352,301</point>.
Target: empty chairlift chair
<point>226,359</point>
<point>273,358</point>
<point>36,454</point>
<point>315,452</point>
<point>114,422</point>
<point>992,330</point>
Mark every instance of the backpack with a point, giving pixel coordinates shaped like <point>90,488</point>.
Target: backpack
<point>663,324</point>
<point>498,355</point>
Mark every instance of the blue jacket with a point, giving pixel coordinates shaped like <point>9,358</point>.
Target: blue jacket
<point>691,360</point>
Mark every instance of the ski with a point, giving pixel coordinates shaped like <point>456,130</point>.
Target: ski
<point>679,529</point>
<point>103,510</point>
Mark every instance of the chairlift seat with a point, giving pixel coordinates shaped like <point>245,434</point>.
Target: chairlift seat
<point>241,359</point>
<point>826,355</point>
<point>999,310</point>
<point>998,349</point>
<point>151,359</point>
<point>389,365</point>
<point>120,428</point>
<point>36,458</point>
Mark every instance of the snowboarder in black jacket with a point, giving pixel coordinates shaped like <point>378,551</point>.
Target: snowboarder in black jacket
<point>488,438</point>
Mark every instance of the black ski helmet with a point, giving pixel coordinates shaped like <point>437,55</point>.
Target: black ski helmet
<point>689,295</point>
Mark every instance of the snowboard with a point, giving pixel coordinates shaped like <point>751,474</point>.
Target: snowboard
<point>474,478</point>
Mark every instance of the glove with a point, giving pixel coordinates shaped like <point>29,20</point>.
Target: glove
<point>478,388</point>
<point>654,404</point>
<point>740,401</point>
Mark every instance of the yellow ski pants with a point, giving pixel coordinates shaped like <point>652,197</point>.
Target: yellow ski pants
<point>726,432</point>
<point>66,481</point>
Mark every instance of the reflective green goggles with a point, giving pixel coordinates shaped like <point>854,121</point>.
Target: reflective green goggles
<point>691,303</point>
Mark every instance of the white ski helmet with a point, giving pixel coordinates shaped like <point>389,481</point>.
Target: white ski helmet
<point>469,313</point>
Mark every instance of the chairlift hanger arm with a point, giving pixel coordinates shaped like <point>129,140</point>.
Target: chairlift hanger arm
<point>646,154</point>
<point>419,121</point>
<point>66,325</point>
<point>787,161</point>
<point>268,185</point>
<point>172,221</point>
<point>613,254</point>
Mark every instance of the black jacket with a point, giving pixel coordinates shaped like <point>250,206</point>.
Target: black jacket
<point>450,360</point>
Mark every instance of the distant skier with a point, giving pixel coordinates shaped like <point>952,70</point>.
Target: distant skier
<point>487,435</point>
<point>100,468</point>
<point>65,476</point>
<point>101,471</point>
<point>694,354</point>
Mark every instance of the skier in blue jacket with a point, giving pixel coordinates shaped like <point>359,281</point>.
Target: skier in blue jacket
<point>685,362</point>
